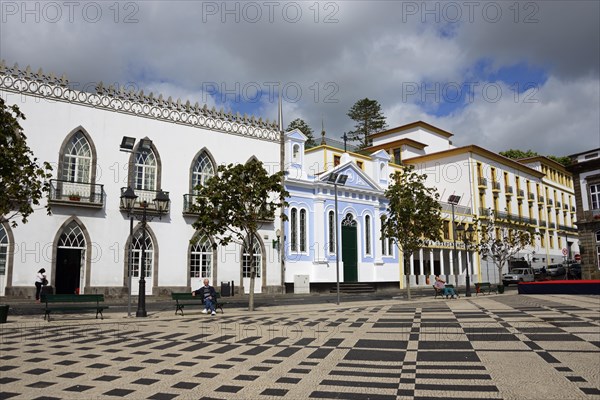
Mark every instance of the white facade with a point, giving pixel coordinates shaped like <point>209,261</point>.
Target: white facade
<point>91,126</point>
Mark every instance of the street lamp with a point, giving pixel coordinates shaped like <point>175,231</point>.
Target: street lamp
<point>337,179</point>
<point>161,205</point>
<point>453,200</point>
<point>467,238</point>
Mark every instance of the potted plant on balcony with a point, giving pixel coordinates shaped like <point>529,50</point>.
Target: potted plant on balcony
<point>75,197</point>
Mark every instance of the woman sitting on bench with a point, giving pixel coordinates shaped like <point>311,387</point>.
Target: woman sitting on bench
<point>440,284</point>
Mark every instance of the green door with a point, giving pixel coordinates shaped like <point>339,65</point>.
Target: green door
<point>349,249</point>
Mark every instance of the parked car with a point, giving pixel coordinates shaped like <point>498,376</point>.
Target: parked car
<point>556,270</point>
<point>574,271</point>
<point>517,275</point>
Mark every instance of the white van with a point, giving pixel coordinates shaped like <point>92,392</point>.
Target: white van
<point>518,275</point>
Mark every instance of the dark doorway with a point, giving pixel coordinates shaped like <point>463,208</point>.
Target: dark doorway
<point>350,249</point>
<point>68,271</point>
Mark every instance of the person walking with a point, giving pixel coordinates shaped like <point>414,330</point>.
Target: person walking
<point>40,280</point>
<point>209,297</point>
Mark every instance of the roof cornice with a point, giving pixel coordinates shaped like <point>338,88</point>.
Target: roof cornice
<point>38,84</point>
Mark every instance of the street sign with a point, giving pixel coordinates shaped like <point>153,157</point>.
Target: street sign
<point>577,257</point>
<point>565,251</point>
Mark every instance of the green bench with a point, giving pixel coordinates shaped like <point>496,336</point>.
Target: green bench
<point>186,299</point>
<point>483,287</point>
<point>73,302</point>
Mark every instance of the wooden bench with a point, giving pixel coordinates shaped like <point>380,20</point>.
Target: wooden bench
<point>73,302</point>
<point>186,299</point>
<point>483,287</point>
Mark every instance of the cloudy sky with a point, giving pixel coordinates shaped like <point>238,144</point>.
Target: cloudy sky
<point>498,74</point>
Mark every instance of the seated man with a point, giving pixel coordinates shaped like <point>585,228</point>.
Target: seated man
<point>209,297</point>
<point>440,284</point>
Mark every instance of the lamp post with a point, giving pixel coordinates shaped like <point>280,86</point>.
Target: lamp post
<point>337,179</point>
<point>453,200</point>
<point>161,203</point>
<point>467,237</point>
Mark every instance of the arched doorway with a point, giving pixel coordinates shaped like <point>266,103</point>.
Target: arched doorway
<point>350,248</point>
<point>139,242</point>
<point>4,243</point>
<point>70,259</point>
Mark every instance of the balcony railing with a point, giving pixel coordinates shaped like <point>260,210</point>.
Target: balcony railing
<point>147,196</point>
<point>567,228</point>
<point>542,222</point>
<point>566,207</point>
<point>531,196</point>
<point>188,201</point>
<point>541,200</point>
<point>496,186</point>
<point>552,225</point>
<point>76,193</point>
<point>521,193</point>
<point>550,202</point>
<point>482,182</point>
<point>447,207</point>
<point>509,189</point>
<point>572,208</point>
<point>558,205</point>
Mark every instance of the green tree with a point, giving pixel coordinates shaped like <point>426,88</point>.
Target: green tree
<point>518,154</point>
<point>299,123</point>
<point>234,204</point>
<point>369,120</point>
<point>23,181</point>
<point>500,240</point>
<point>414,214</point>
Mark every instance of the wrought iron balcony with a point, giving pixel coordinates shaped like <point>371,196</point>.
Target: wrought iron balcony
<point>509,189</point>
<point>79,194</point>
<point>188,201</point>
<point>265,214</point>
<point>482,182</point>
<point>552,225</point>
<point>542,222</point>
<point>146,196</point>
<point>550,202</point>
<point>531,196</point>
<point>496,186</point>
<point>558,205</point>
<point>572,208</point>
<point>566,207</point>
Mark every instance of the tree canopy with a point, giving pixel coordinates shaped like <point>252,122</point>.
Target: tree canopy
<point>369,120</point>
<point>234,204</point>
<point>23,180</point>
<point>299,123</point>
<point>501,241</point>
<point>518,154</point>
<point>414,213</point>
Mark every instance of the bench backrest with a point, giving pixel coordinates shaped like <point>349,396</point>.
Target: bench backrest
<point>72,298</point>
<point>188,296</point>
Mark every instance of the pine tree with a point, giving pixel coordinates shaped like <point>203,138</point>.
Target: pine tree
<point>369,120</point>
<point>299,124</point>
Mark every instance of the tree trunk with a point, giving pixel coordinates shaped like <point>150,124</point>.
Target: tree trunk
<point>252,274</point>
<point>406,264</point>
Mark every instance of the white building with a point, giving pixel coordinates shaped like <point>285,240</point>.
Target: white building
<point>84,244</point>
<point>515,191</point>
